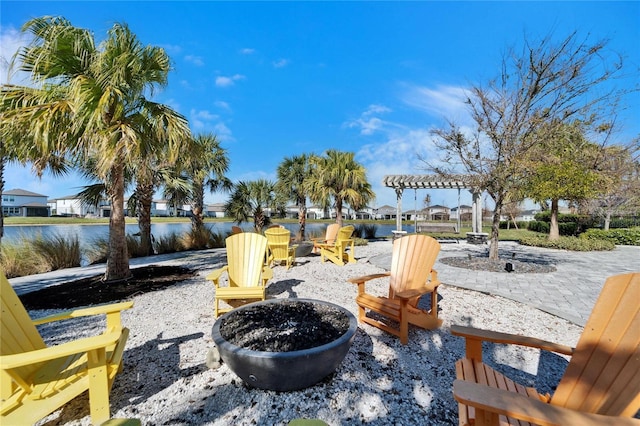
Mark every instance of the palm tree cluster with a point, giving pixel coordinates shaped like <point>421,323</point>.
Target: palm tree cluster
<point>330,180</point>
<point>87,109</point>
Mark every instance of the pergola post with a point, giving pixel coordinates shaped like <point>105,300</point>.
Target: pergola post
<point>399,209</point>
<point>476,225</point>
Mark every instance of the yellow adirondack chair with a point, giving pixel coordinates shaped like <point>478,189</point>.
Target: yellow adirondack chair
<point>411,276</point>
<point>329,237</point>
<point>245,268</point>
<point>600,386</point>
<point>278,247</point>
<point>36,380</point>
<point>337,252</point>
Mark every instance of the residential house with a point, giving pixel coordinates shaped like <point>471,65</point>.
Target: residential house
<point>465,213</point>
<point>215,210</point>
<point>386,212</point>
<point>72,205</point>
<point>438,212</point>
<point>18,202</point>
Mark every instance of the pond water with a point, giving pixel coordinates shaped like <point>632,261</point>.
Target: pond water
<point>87,234</point>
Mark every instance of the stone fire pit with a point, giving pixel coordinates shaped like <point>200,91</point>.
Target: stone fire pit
<point>284,344</point>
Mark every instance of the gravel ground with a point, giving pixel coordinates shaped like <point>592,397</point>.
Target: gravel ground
<point>165,380</point>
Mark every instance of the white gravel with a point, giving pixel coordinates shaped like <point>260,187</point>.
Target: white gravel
<point>165,380</point>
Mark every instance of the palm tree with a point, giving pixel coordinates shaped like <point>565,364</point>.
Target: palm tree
<point>293,172</point>
<point>92,103</point>
<point>205,165</point>
<point>249,199</point>
<point>339,177</point>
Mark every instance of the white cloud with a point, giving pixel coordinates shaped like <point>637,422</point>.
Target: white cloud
<point>223,81</point>
<point>247,51</point>
<point>376,109</point>
<point>367,123</point>
<point>442,101</point>
<point>280,63</point>
<point>203,121</point>
<point>196,60</point>
<point>222,105</point>
<point>11,40</point>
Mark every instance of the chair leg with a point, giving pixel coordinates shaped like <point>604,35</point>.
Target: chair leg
<point>98,386</point>
<point>404,323</point>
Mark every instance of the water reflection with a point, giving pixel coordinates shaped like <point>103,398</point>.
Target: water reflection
<point>87,234</point>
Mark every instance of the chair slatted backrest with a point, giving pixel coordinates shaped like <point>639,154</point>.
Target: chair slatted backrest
<point>278,242</point>
<point>603,375</point>
<point>17,332</point>
<point>412,260</point>
<point>344,235</point>
<point>245,257</point>
<point>331,233</point>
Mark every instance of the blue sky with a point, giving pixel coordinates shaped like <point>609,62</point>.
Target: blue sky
<point>277,79</point>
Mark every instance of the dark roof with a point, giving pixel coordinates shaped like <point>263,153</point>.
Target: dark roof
<point>22,192</point>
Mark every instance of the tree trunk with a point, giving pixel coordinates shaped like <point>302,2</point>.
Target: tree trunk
<point>117,258</point>
<point>554,231</point>
<point>145,199</point>
<point>197,208</point>
<point>302,220</point>
<point>607,220</point>
<point>495,231</point>
<point>339,211</point>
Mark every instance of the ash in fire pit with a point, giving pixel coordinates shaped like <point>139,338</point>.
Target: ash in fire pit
<point>283,327</point>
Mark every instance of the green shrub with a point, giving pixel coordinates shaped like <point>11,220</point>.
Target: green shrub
<point>626,237</point>
<point>567,243</point>
<point>58,251</point>
<point>202,238</point>
<point>360,241</point>
<point>538,226</point>
<point>19,259</point>
<point>170,243</point>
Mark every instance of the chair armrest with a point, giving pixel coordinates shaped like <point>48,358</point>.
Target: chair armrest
<point>529,409</point>
<point>84,312</point>
<point>216,274</point>
<point>414,292</point>
<point>65,349</point>
<point>514,339</point>
<point>366,278</point>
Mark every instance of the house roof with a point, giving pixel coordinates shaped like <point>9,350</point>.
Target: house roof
<point>22,192</point>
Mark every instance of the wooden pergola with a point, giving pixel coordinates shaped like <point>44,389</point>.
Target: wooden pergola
<point>401,182</point>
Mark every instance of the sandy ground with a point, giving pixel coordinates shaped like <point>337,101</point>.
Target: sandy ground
<point>165,380</point>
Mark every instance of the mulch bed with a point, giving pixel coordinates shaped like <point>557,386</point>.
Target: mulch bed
<point>94,291</point>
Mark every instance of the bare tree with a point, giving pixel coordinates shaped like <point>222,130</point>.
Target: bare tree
<point>545,82</point>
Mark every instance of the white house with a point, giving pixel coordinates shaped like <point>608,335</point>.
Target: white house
<point>18,202</point>
<point>72,205</point>
<point>466,213</point>
<point>215,210</point>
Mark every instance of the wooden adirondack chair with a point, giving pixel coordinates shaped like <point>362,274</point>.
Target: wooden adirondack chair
<point>278,247</point>
<point>329,237</point>
<point>36,380</point>
<point>601,384</point>
<point>411,276</point>
<point>245,268</point>
<point>337,252</point>
<point>236,230</point>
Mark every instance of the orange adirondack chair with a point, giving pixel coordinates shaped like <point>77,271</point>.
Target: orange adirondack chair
<point>245,268</point>
<point>36,379</point>
<point>411,276</point>
<point>278,247</point>
<point>337,252</point>
<point>329,237</point>
<point>600,386</point>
